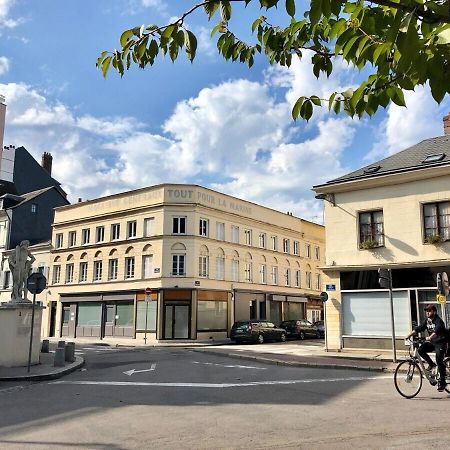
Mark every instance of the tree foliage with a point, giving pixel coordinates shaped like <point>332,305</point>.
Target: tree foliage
<point>400,43</point>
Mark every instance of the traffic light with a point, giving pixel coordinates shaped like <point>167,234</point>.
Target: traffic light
<point>385,278</point>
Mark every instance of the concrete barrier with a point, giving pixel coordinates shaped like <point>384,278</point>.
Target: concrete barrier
<point>45,346</point>
<point>60,357</point>
<point>61,344</point>
<point>70,352</point>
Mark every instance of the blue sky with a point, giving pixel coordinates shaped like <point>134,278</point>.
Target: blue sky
<point>212,123</point>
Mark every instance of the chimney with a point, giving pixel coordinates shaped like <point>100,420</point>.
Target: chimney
<point>2,119</point>
<point>47,159</point>
<point>446,121</point>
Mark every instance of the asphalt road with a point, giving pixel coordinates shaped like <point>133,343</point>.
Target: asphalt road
<point>181,398</point>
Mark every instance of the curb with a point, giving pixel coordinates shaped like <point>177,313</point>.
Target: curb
<point>58,373</point>
<point>280,362</point>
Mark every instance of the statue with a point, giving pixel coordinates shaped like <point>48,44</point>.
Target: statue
<point>20,262</point>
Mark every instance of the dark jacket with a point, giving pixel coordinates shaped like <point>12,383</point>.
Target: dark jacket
<point>436,325</point>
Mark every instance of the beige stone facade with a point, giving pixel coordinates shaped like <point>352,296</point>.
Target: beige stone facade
<point>400,211</point>
<point>208,258</point>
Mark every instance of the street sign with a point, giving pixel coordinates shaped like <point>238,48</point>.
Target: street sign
<point>441,299</point>
<point>36,283</point>
<point>148,291</point>
<point>330,287</point>
<point>323,296</point>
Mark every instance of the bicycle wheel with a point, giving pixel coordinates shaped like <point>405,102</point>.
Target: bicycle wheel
<point>447,374</point>
<point>408,379</point>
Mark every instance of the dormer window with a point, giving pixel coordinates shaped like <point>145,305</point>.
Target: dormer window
<point>433,158</point>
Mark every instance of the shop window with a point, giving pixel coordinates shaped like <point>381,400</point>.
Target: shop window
<point>178,265</point>
<point>371,231</point>
<point>131,229</point>
<point>89,314</point>
<point>149,225</point>
<point>85,236</point>
<point>115,231</point>
<point>436,217</point>
<point>100,234</point>
<point>83,271</point>
<point>212,315</point>
<point>143,307</point>
<point>179,225</point>
<point>129,267</point>
<point>203,228</point>
<point>113,265</point>
<point>125,314</point>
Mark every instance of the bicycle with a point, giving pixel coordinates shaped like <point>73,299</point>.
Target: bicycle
<point>409,374</point>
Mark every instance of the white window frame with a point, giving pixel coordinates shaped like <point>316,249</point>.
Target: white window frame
<point>59,240</point>
<point>298,278</point>
<point>220,231</point>
<point>220,268</point>
<point>72,238</point>
<point>98,269</point>
<point>83,276</point>
<point>203,268</point>
<point>147,267</point>
<point>85,236</point>
<point>296,248</point>
<point>318,281</point>
<point>177,222</point>
<point>274,240</point>
<point>56,276</point>
<point>317,253</point>
<point>100,234</point>
<point>234,234</point>
<point>69,273</point>
<point>235,270</point>
<point>263,240</point>
<point>286,245</point>
<point>308,250</point>
<point>263,273</point>
<point>248,272</point>
<point>179,263</point>
<point>275,275</point>
<point>131,229</point>
<point>203,227</point>
<point>308,280</point>
<point>287,277</point>
<point>129,267</point>
<point>149,225</point>
<point>115,231</point>
<point>248,237</point>
<point>113,268</point>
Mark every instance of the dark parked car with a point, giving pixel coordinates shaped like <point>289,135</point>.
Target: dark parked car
<point>300,329</point>
<point>320,327</point>
<point>256,331</point>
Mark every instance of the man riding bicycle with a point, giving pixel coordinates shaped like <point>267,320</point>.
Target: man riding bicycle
<point>436,341</point>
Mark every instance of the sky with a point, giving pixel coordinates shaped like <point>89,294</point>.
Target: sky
<point>212,123</point>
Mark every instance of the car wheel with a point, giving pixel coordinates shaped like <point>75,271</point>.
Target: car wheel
<point>260,339</point>
<point>283,337</point>
<point>301,335</point>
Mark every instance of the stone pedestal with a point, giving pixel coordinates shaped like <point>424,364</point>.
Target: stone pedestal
<point>15,328</point>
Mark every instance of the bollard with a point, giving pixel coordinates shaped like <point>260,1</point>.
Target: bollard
<point>45,346</point>
<point>61,344</point>
<point>70,352</point>
<point>60,355</point>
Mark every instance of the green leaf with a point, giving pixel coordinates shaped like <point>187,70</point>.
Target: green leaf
<point>225,10</point>
<point>125,37</point>
<point>105,65</point>
<point>315,100</point>
<point>290,7</point>
<point>348,93</point>
<point>396,95</point>
<point>306,111</point>
<point>296,108</point>
<point>211,8</point>
<point>190,44</point>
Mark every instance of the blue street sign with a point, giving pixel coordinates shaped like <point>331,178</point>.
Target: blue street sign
<point>330,287</point>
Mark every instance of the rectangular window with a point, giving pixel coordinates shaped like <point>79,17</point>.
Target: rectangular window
<point>89,313</point>
<point>317,253</point>
<point>220,268</point>
<point>131,229</point>
<point>59,240</point>
<point>179,225</point>
<point>220,231</point>
<point>248,272</point>
<point>56,274</point>
<point>234,234</point>
<point>100,234</point>
<point>98,267</point>
<point>308,280</point>
<point>296,248</point>
<point>113,265</point>
<point>308,251</point>
<point>203,266</point>
<point>371,231</point>
<point>203,228</point>
<point>85,236</point>
<point>286,245</point>
<point>248,237</point>
<point>34,208</point>
<point>147,266</point>
<point>211,315</point>
<point>6,279</point>
<point>178,265</point>
<point>235,270</point>
<point>149,225</point>
<point>69,273</point>
<point>274,275</point>
<point>318,281</point>
<point>72,238</point>
<point>115,231</point>
<point>129,267</point>
<point>287,277</point>
<point>262,240</point>
<point>83,271</point>
<point>297,278</point>
<point>436,221</point>
<point>149,308</point>
<point>263,273</point>
<point>274,240</point>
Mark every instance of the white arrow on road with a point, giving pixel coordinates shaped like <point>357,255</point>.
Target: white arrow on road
<point>132,371</point>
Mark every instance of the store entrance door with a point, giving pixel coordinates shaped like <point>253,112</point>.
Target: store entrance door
<point>177,320</point>
<point>118,319</point>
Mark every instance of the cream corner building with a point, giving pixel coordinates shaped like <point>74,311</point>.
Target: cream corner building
<point>393,214</point>
<point>208,258</point>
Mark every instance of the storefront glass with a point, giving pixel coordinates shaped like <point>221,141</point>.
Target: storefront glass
<point>211,315</point>
<point>89,314</point>
<point>151,315</point>
<point>294,311</point>
<point>125,312</point>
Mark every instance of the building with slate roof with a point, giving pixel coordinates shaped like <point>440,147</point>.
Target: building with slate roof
<point>394,213</point>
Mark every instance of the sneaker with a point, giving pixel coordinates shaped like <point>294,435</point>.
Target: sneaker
<point>441,386</point>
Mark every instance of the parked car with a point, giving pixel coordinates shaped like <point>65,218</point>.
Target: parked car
<point>320,327</point>
<point>256,331</point>
<point>300,329</point>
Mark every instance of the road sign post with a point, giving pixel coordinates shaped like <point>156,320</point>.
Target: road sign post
<point>36,283</point>
<point>324,298</point>
<point>385,281</point>
<point>148,293</point>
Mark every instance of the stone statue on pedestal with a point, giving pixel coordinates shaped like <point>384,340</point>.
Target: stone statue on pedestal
<point>20,262</point>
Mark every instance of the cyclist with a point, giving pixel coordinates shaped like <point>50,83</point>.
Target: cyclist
<point>436,341</point>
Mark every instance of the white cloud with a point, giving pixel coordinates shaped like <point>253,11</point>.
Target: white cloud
<point>4,65</point>
<point>404,127</point>
<point>5,20</point>
<point>159,5</point>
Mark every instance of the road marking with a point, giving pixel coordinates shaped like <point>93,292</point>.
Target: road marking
<point>237,366</point>
<point>133,371</point>
<point>220,385</point>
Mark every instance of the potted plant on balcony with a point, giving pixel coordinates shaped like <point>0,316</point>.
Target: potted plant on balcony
<point>369,244</point>
<point>433,239</point>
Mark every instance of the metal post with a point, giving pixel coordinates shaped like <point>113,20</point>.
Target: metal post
<point>325,324</point>
<point>146,315</point>
<point>391,300</point>
<point>31,335</point>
